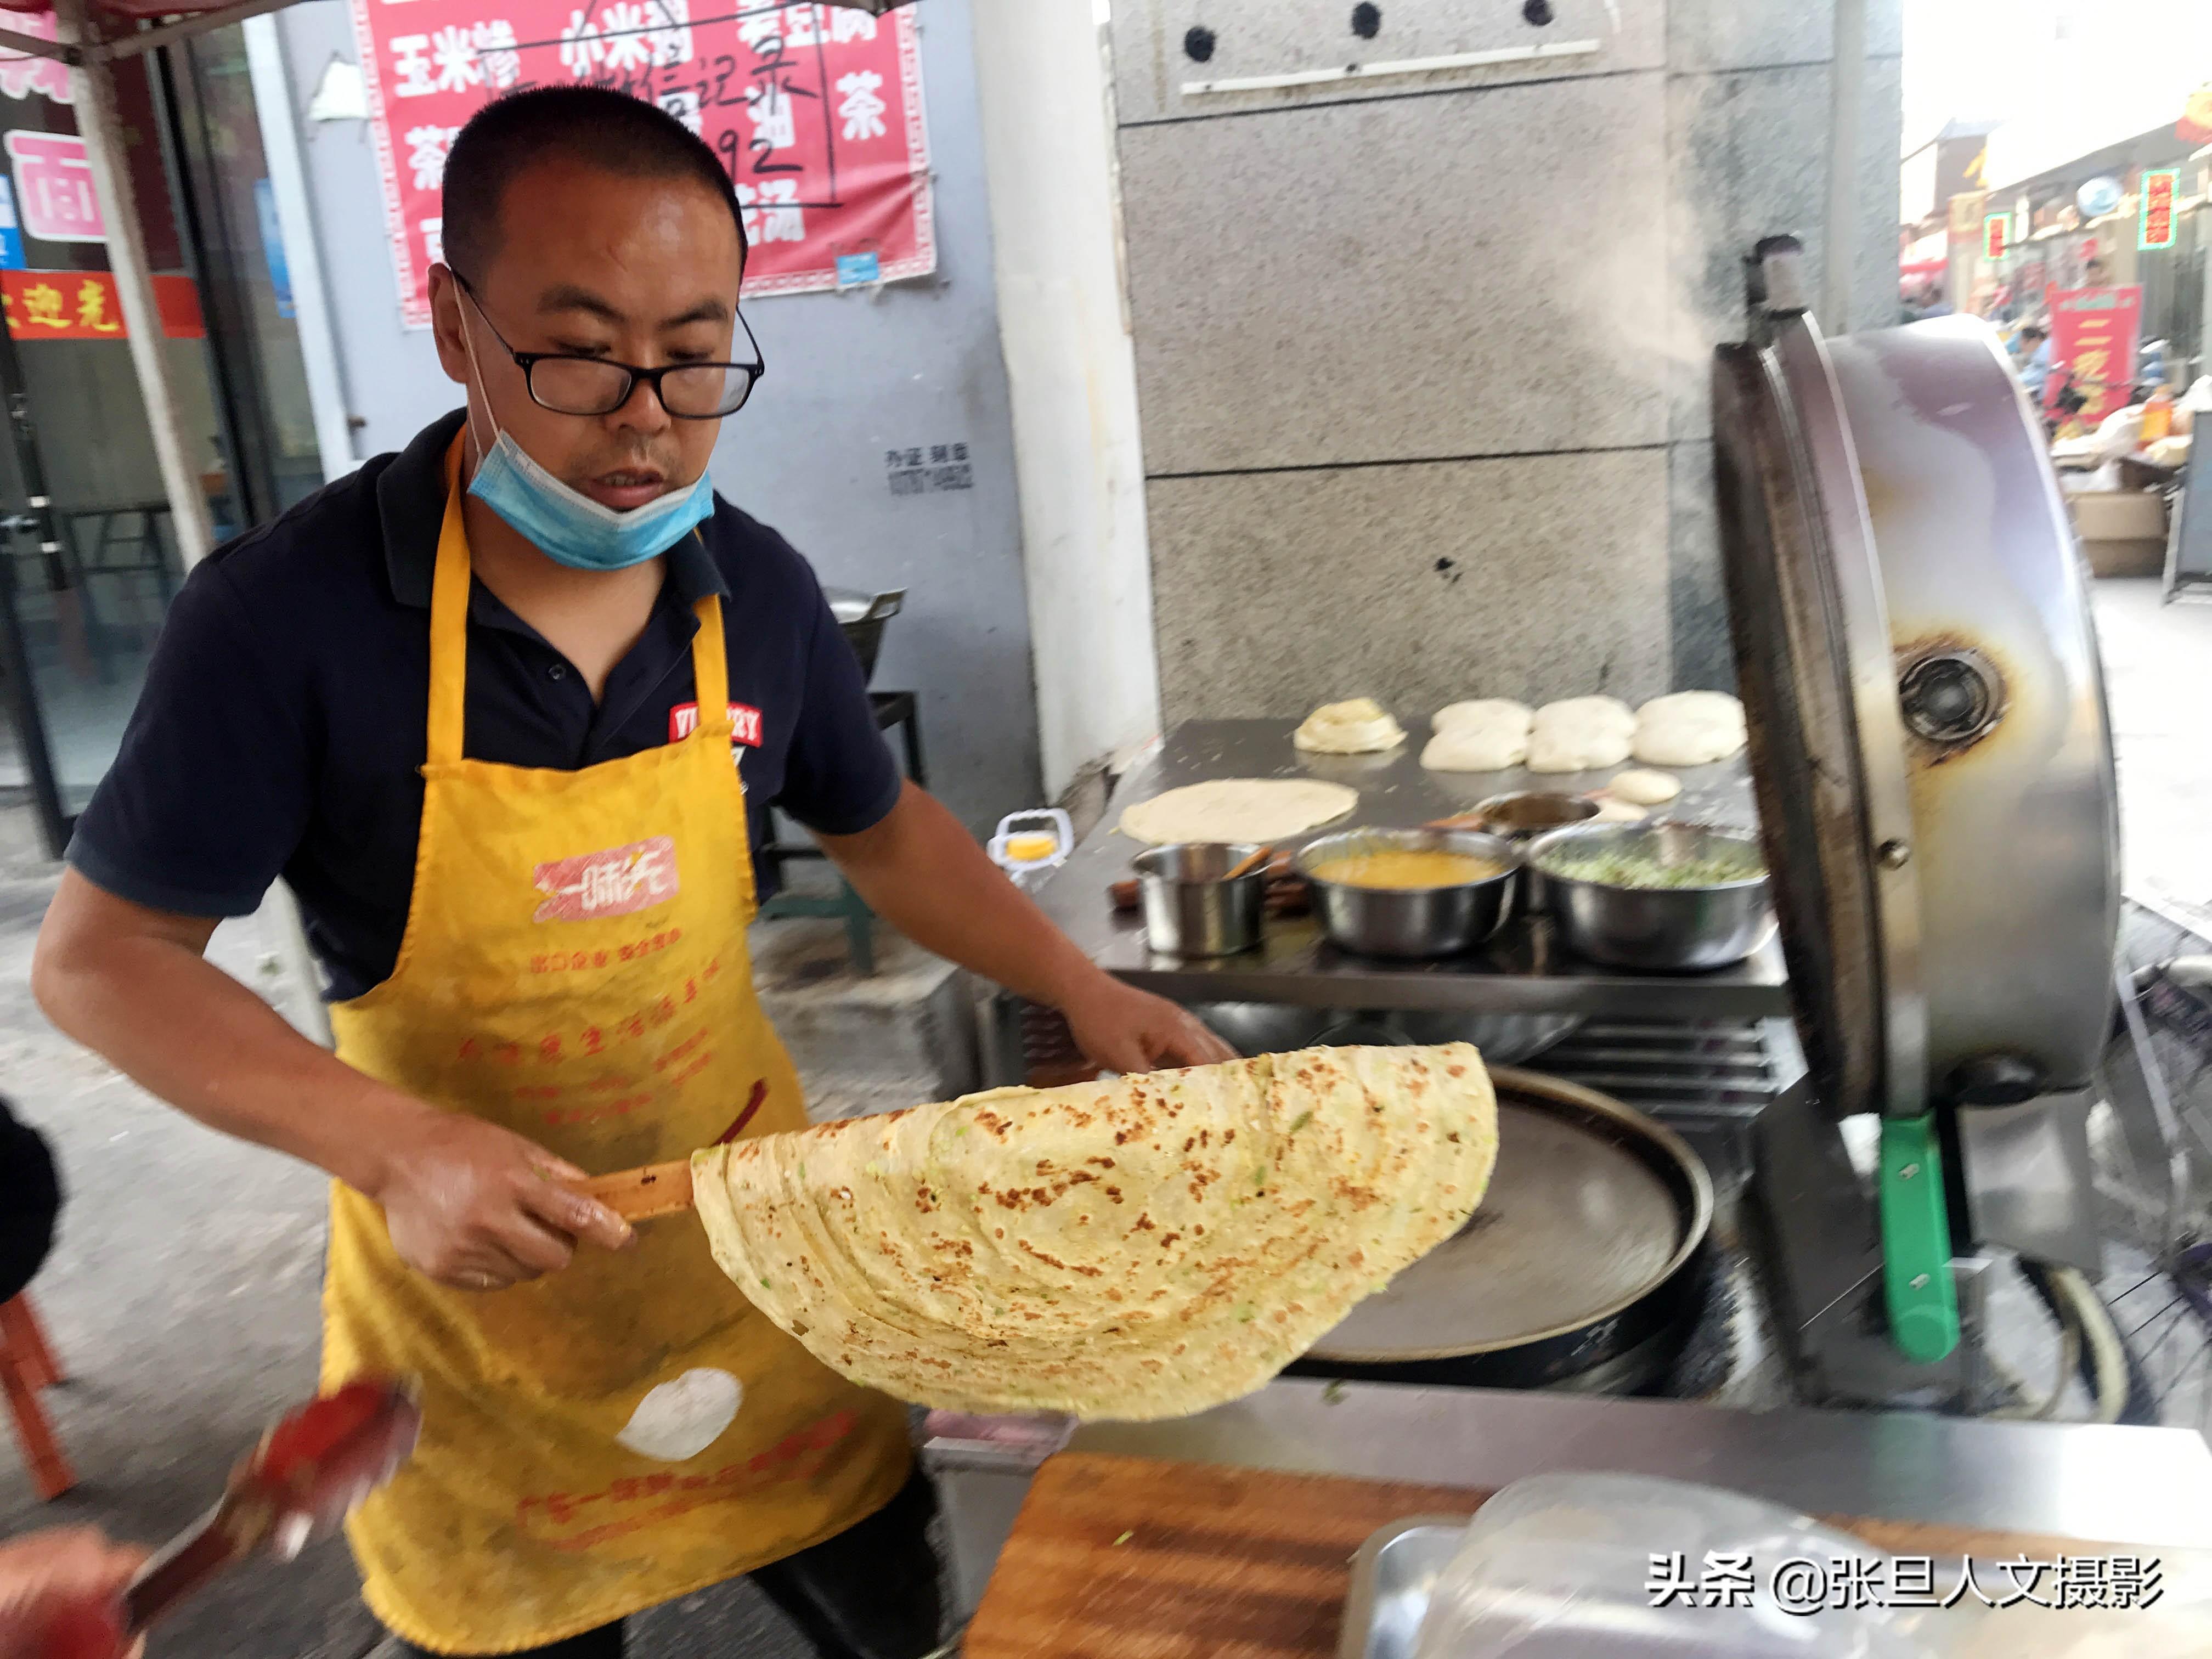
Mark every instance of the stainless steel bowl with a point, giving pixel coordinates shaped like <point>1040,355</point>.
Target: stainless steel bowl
<point>1530,812</point>
<point>1526,814</point>
<point>1412,921</point>
<point>1191,908</point>
<point>1669,928</point>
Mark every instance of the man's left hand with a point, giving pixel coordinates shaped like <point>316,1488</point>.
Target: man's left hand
<point>59,1595</point>
<point>1126,1029</point>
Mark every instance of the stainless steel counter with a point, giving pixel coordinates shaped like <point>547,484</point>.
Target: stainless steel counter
<point>1523,970</point>
<point>2116,1486</point>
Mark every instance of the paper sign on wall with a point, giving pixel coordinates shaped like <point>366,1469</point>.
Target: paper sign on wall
<point>815,112</point>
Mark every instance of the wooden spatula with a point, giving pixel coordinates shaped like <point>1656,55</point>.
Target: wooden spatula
<point>659,1189</point>
<point>640,1195</point>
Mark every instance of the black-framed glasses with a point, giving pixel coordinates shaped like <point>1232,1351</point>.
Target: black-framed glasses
<point>570,385</point>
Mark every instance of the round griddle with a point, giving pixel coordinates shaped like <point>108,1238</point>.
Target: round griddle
<point>1588,1244</point>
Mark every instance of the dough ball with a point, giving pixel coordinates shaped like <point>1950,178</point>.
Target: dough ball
<point>1360,727</point>
<point>1582,734</point>
<point>1475,749</point>
<point>1687,742</point>
<point>1485,711</point>
<point>1610,809</point>
<point>1644,788</point>
<point>1607,711</point>
<point>1689,728</point>
<point>1701,705</point>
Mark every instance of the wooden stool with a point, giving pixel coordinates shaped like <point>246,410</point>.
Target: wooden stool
<point>27,1365</point>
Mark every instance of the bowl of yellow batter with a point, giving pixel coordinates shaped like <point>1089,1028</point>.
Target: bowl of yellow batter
<point>1411,892</point>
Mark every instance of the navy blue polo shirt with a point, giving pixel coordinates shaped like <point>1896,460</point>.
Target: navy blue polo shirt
<point>281,730</point>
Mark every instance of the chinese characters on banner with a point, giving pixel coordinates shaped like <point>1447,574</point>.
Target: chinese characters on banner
<point>2093,340</point>
<point>2156,228</point>
<point>82,304</point>
<point>815,110</point>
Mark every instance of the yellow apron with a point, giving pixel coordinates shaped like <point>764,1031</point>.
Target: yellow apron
<point>575,967</point>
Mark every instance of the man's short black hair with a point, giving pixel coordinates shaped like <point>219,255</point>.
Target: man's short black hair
<point>608,129</point>
<point>2036,329</point>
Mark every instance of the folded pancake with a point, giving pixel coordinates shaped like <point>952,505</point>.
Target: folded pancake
<point>1142,1248</point>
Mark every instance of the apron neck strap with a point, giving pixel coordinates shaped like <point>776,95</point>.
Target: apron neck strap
<point>449,623</point>
<point>449,634</point>
<point>710,659</point>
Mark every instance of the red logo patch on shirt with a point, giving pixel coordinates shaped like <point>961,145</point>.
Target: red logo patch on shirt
<point>612,883</point>
<point>745,723</point>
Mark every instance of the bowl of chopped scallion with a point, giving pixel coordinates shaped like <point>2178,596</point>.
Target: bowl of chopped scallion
<point>1675,897</point>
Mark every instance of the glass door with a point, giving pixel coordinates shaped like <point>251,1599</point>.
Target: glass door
<point>88,559</point>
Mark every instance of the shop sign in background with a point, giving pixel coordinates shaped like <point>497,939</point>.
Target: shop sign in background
<point>83,305</point>
<point>2094,335</point>
<point>815,112</point>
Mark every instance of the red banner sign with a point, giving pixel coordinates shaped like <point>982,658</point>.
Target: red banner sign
<point>1995,232</point>
<point>815,110</point>
<point>82,304</point>
<point>2159,184</point>
<point>2094,335</point>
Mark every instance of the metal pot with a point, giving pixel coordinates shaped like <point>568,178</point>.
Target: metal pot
<point>1412,921</point>
<point>1191,908</point>
<point>860,616</point>
<point>1666,928</point>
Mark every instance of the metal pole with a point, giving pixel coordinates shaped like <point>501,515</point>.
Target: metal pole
<point>101,127</point>
<point>1848,81</point>
<point>280,147</point>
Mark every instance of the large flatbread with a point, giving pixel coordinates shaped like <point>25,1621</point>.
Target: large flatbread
<point>1232,809</point>
<point>1138,1248</point>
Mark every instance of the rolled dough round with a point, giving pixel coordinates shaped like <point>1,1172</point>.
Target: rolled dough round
<point>1230,810</point>
<point>1360,727</point>
<point>1484,711</point>
<point>1581,734</point>
<point>1490,748</point>
<point>1644,788</point>
<point>1610,809</point>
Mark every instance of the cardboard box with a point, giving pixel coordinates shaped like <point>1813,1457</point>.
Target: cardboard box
<point>2122,531</point>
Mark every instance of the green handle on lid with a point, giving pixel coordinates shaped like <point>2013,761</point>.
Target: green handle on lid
<point>1916,1241</point>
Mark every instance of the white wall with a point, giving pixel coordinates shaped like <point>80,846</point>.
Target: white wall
<point>1047,156</point>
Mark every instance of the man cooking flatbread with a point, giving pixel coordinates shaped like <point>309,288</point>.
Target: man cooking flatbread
<point>478,703</point>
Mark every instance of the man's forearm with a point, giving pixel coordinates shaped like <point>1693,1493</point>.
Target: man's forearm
<point>923,872</point>
<point>193,1035</point>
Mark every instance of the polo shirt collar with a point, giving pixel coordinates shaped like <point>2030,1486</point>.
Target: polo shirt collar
<point>411,500</point>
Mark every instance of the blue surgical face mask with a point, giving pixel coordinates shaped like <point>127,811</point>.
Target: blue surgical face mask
<point>568,526</point>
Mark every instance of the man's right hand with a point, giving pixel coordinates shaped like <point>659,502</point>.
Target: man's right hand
<point>479,1207</point>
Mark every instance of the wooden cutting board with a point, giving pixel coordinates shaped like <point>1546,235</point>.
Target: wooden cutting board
<point>1124,1557</point>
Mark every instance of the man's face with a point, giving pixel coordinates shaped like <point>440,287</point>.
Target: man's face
<point>593,263</point>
